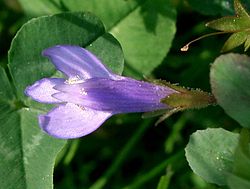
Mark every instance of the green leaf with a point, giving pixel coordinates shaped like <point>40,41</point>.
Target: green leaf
<point>215,7</point>
<point>41,7</point>
<point>240,176</point>
<point>210,154</point>
<point>242,155</point>
<point>238,25</point>
<point>229,78</point>
<point>235,181</point>
<point>111,12</point>
<point>109,51</point>
<point>240,10</point>
<point>28,154</point>
<point>145,28</point>
<point>6,92</point>
<point>247,43</point>
<point>234,40</point>
<point>240,21</point>
<point>165,179</point>
<point>146,35</point>
<point>230,24</point>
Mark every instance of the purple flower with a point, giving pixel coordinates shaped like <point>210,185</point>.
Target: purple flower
<point>90,94</point>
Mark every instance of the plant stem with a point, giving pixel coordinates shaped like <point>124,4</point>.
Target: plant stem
<point>156,171</point>
<point>122,155</point>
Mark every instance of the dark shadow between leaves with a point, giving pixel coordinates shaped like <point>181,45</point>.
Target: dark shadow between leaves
<point>58,5</point>
<point>151,10</point>
<point>83,23</point>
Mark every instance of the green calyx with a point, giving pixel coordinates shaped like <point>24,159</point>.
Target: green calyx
<point>188,98</point>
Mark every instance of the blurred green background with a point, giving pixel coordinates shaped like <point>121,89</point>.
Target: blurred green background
<point>128,151</point>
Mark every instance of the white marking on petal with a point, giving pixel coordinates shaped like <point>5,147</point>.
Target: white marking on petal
<point>74,80</point>
<point>83,92</point>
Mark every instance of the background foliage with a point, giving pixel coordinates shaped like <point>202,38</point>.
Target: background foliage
<point>144,37</point>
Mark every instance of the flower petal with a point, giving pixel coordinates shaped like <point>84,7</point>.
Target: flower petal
<point>71,121</point>
<point>77,62</point>
<point>42,90</point>
<point>119,96</point>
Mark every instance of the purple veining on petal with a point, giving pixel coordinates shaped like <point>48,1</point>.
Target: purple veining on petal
<point>75,61</point>
<point>119,96</point>
<point>71,121</point>
<point>42,90</point>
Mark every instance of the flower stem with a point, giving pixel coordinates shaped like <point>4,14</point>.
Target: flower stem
<point>156,171</point>
<point>122,155</point>
<point>186,47</point>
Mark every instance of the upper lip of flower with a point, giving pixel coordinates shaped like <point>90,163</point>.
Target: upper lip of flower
<point>90,94</point>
